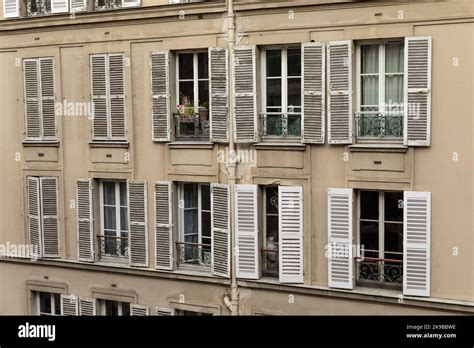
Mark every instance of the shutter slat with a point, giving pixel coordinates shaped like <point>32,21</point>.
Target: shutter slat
<point>160,81</point>
<point>164,312</point>
<point>130,3</point>
<point>220,230</point>
<point>69,305</point>
<point>139,310</point>
<point>78,5</point>
<point>218,101</point>
<point>87,306</point>
<point>32,95</point>
<point>47,98</point>
<point>59,6</point>
<point>11,8</point>
<point>85,221</point>
<point>163,226</point>
<point>50,224</point>
<point>34,212</point>
<point>117,96</point>
<point>137,218</point>
<point>99,96</point>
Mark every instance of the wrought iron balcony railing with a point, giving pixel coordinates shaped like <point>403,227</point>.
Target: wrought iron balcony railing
<point>383,272</point>
<point>191,127</point>
<point>270,262</point>
<point>112,246</point>
<point>107,4</point>
<point>37,7</point>
<point>194,254</point>
<point>378,125</point>
<point>279,124</point>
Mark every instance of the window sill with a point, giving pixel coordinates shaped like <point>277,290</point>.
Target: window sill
<point>280,146</point>
<point>372,147</point>
<point>38,143</point>
<point>109,144</point>
<point>190,145</point>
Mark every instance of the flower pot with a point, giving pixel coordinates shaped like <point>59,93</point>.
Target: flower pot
<point>204,114</point>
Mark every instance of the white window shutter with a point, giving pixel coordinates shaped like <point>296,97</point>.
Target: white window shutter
<point>87,306</point>
<point>218,95</point>
<point>69,305</point>
<point>117,96</point>
<point>99,77</point>
<point>59,6</point>
<point>85,221</point>
<point>160,89</point>
<point>245,94</point>
<point>246,229</point>
<point>78,6</point>
<point>137,223</point>
<point>130,3</point>
<point>416,243</point>
<point>34,215</point>
<point>11,8</point>
<point>48,116</point>
<point>31,82</point>
<point>417,101</point>
<point>49,218</point>
<point>290,223</point>
<point>164,312</point>
<point>339,75</point>
<point>220,230</point>
<point>139,310</point>
<point>163,225</point>
<point>314,89</point>
<point>340,239</point>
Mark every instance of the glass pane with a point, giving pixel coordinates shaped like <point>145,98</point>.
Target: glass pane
<point>192,238</point>
<point>109,193</point>
<point>205,197</point>
<point>369,205</point>
<point>271,197</point>
<point>109,218</point>
<point>111,308</point>
<point>45,302</point>
<point>274,125</point>
<point>206,224</point>
<point>57,304</point>
<point>393,241</point>
<point>190,195</point>
<point>394,92</point>
<point>274,93</point>
<point>394,57</point>
<point>203,65</point>
<point>294,126</point>
<point>123,193</point>
<point>369,59</point>
<point>394,206</point>
<point>273,63</point>
<point>204,93</point>
<point>294,62</point>
<point>124,219</point>
<point>369,90</point>
<point>186,90</point>
<point>369,238</point>
<point>186,68</point>
<point>125,309</point>
<point>191,222</point>
<point>294,93</point>
<point>272,231</point>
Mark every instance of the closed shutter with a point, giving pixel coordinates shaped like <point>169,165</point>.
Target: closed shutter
<point>117,96</point>
<point>11,8</point>
<point>85,221</point>
<point>137,218</point>
<point>160,88</point>
<point>290,216</point>
<point>59,6</point>
<point>246,229</point>
<point>47,98</point>
<point>130,3</point>
<point>163,225</point>
<point>416,243</point>
<point>50,223</point>
<point>99,96</point>
<point>87,306</point>
<point>314,58</point>
<point>339,71</point>
<point>164,312</point>
<point>69,305</point>
<point>245,87</point>
<point>220,230</point>
<point>218,102</point>
<point>32,99</point>
<point>139,310</point>
<point>340,237</point>
<point>78,5</point>
<point>417,103</point>
<point>34,214</point>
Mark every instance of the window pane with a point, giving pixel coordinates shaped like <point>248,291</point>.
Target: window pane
<point>394,92</point>
<point>273,63</point>
<point>124,219</point>
<point>274,125</point>
<point>206,225</point>
<point>111,308</point>
<point>205,197</point>
<point>123,193</point>
<point>369,205</point>
<point>45,302</point>
<point>186,67</point>
<point>109,218</point>
<point>57,304</point>
<point>294,93</point>
<point>272,231</point>
<point>369,59</point>
<point>191,223</point>
<point>203,65</point>
<point>271,196</point>
<point>394,206</point>
<point>274,94</point>
<point>190,195</point>
<point>125,308</point>
<point>393,241</point>
<point>294,62</point>
<point>294,126</point>
<point>394,57</point>
<point>369,90</point>
<point>369,238</point>
<point>186,90</point>
<point>109,193</point>
<point>203,93</point>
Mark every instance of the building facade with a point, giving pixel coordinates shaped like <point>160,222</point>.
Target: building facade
<point>248,157</point>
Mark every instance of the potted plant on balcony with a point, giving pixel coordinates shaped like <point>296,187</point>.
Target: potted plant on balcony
<point>204,111</point>
<point>185,110</point>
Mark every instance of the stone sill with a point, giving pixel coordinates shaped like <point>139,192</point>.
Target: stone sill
<point>36,143</point>
<point>190,145</point>
<point>109,144</point>
<point>281,146</point>
<point>371,147</point>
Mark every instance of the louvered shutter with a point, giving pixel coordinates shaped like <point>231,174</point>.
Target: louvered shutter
<point>139,310</point>
<point>245,96</point>
<point>11,8</point>
<point>87,306</point>
<point>339,59</point>
<point>314,58</point>
<point>117,96</point>
<point>85,221</point>
<point>99,96</point>
<point>59,6</point>
<point>50,223</point>
<point>32,99</point>
<point>137,222</point>
<point>130,3</point>
<point>48,116</point>
<point>340,237</point>
<point>34,214</point>
<point>69,305</point>
<point>163,226</point>
<point>218,90</point>
<point>416,243</point>
<point>246,229</point>
<point>78,5</point>
<point>164,312</point>
<point>290,216</point>
<point>220,230</point>
<point>160,87</point>
<point>417,105</point>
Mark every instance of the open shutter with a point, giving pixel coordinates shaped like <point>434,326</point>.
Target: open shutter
<point>117,96</point>
<point>164,312</point>
<point>87,306</point>
<point>59,6</point>
<point>11,8</point>
<point>314,58</point>
<point>160,89</point>
<point>34,214</point>
<point>47,98</point>
<point>417,101</point>
<point>50,223</point>
<point>78,5</point>
<point>32,100</point>
<point>339,59</point>
<point>245,87</point>
<point>163,226</point>
<point>220,230</point>
<point>99,96</point>
<point>246,229</point>
<point>130,3</point>
<point>416,243</point>
<point>218,102</point>
<point>137,222</point>
<point>69,305</point>
<point>139,310</point>
<point>290,216</point>
<point>85,221</point>
<point>340,258</point>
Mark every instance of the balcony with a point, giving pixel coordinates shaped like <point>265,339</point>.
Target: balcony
<point>194,255</point>
<point>270,259</point>
<point>280,125</point>
<point>378,126</point>
<point>112,247</point>
<point>386,272</point>
<point>191,127</point>
<point>37,7</point>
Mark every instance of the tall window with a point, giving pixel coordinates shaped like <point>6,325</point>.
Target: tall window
<point>38,7</point>
<point>193,80</point>
<point>114,219</point>
<point>271,238</point>
<point>380,92</point>
<point>282,91</point>
<point>113,308</point>
<point>47,303</point>
<point>381,236</point>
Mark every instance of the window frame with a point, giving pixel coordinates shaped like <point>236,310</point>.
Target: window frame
<point>102,307</point>
<point>37,299</point>
<point>264,226</point>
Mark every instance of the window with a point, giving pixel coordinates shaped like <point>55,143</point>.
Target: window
<point>114,308</point>
<point>38,7</point>
<point>271,227</point>
<point>107,4</point>
<point>381,237</point>
<point>195,224</point>
<point>114,219</point>
<point>47,303</point>
<point>380,94</point>
<point>281,92</point>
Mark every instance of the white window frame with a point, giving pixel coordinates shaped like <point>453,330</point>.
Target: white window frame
<point>265,245</point>
<point>36,295</point>
<point>195,79</point>
<point>102,307</point>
